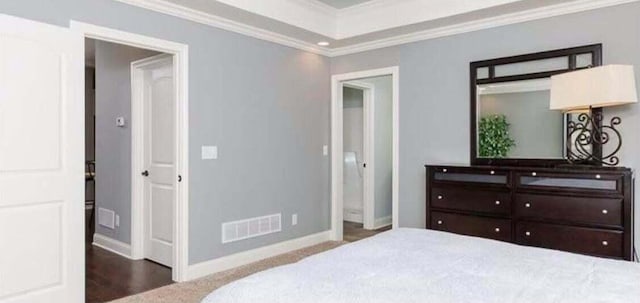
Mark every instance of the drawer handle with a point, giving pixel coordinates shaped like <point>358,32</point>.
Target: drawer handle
<point>527,234</point>
<point>439,222</point>
<point>534,174</point>
<point>527,205</point>
<point>444,170</point>
<point>492,172</point>
<point>497,202</point>
<point>598,177</point>
<point>604,211</point>
<point>497,229</point>
<point>605,243</point>
<point>440,197</point>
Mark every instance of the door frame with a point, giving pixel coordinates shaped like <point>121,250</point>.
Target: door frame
<point>368,150</point>
<point>337,156</point>
<point>139,214</point>
<point>180,53</point>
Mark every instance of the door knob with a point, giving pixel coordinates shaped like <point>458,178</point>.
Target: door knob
<point>145,173</point>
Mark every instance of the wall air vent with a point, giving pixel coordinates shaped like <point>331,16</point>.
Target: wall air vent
<point>250,228</point>
<point>106,218</point>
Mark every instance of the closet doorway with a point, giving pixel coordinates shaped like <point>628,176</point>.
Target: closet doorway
<point>364,153</point>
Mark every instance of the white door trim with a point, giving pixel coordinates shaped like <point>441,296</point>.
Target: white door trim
<point>368,115</point>
<point>337,146</point>
<point>180,54</point>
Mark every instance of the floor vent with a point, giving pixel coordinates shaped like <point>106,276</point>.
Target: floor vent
<point>106,218</point>
<point>249,228</point>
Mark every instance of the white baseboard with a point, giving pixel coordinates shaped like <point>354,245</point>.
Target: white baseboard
<point>382,222</point>
<point>112,245</point>
<point>228,262</point>
<point>353,215</point>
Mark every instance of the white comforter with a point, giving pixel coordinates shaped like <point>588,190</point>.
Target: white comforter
<point>415,265</point>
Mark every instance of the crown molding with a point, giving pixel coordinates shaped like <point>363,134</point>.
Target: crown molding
<point>179,11</point>
<point>305,14</point>
<point>319,5</point>
<point>371,17</point>
<point>507,19</point>
<point>365,5</point>
<point>186,13</point>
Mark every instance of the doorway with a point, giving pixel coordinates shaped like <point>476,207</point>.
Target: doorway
<point>139,205</point>
<point>111,118</point>
<point>364,153</point>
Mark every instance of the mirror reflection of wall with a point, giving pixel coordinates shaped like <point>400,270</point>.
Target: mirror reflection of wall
<point>536,131</point>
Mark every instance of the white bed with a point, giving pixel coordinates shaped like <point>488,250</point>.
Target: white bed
<point>416,265</point>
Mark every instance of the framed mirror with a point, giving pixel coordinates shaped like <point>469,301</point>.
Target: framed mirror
<point>511,123</point>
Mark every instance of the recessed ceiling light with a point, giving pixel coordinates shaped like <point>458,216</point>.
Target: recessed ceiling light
<point>323,43</point>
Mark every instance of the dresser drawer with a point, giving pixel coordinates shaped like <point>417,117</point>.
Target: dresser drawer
<point>571,182</point>
<point>476,200</point>
<point>593,210</point>
<point>582,240</point>
<point>498,229</point>
<point>460,175</point>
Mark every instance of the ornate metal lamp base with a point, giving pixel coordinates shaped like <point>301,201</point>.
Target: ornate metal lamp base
<point>588,131</point>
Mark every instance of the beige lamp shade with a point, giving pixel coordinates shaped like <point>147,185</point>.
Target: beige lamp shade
<point>602,86</point>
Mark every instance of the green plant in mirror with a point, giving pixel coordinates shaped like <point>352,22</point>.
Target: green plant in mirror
<point>494,140</point>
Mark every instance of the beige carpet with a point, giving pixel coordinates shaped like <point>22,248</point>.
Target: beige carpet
<point>195,291</point>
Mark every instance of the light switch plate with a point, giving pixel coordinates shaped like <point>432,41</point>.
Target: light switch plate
<point>294,219</point>
<point>209,152</point>
<point>325,150</point>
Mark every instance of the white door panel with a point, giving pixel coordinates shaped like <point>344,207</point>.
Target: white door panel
<point>161,211</point>
<point>35,75</point>
<point>159,159</point>
<point>41,163</point>
<point>162,125</point>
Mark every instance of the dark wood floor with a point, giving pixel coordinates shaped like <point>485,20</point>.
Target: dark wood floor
<point>354,231</point>
<point>110,276</point>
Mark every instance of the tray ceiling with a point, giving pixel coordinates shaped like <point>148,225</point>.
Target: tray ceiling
<point>343,3</point>
<point>351,26</point>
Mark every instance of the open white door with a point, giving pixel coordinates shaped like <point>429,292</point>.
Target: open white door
<point>41,163</point>
<point>154,83</point>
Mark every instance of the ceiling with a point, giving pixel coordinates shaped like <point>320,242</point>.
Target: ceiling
<point>343,3</point>
<point>352,26</point>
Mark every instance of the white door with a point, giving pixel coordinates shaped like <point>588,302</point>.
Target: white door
<point>159,158</point>
<point>41,163</point>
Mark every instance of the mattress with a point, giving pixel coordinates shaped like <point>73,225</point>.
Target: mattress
<point>417,265</point>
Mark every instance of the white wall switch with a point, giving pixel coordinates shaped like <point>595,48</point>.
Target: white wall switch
<point>121,122</point>
<point>209,152</point>
<point>117,220</point>
<point>325,150</point>
<point>294,219</point>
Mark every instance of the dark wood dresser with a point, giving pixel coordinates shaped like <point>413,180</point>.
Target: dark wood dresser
<point>581,210</point>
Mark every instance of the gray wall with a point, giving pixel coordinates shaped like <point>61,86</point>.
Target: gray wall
<point>265,106</point>
<point>434,86</point>
<point>113,143</point>
<point>524,111</point>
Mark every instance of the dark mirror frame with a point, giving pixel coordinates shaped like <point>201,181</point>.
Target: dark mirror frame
<point>571,53</point>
